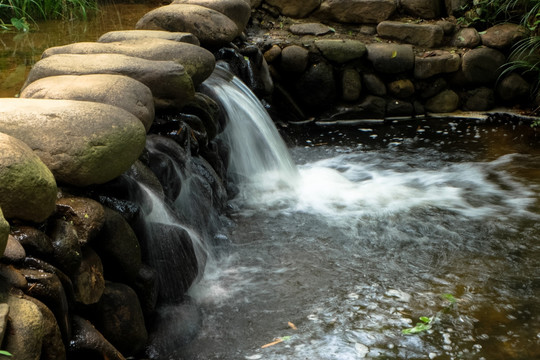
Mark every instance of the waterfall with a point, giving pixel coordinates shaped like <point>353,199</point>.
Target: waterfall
<point>256,149</point>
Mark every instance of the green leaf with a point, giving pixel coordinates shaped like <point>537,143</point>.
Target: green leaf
<point>5,353</point>
<point>20,24</point>
<point>394,54</point>
<point>425,319</point>
<point>450,298</point>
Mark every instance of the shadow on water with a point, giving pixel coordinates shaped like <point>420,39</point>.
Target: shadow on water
<point>377,225</point>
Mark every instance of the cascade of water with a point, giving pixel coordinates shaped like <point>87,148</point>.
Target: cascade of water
<point>257,150</point>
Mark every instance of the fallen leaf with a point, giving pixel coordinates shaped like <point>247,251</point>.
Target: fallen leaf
<point>277,341</point>
<point>292,326</point>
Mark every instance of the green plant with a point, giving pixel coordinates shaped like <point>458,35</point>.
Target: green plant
<point>427,322</point>
<point>31,10</point>
<point>484,13</point>
<point>5,353</point>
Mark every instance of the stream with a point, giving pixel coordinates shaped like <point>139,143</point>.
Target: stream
<point>379,227</point>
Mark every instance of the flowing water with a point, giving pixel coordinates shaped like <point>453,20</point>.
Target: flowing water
<point>375,228</point>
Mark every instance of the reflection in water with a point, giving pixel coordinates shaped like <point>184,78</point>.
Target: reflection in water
<point>19,51</point>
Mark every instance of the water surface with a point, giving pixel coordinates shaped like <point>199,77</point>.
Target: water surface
<point>378,226</point>
<point>20,51</point>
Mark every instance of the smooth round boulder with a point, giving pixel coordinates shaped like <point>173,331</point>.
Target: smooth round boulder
<point>81,142</point>
<point>26,329</point>
<point>121,35</point>
<point>4,232</point>
<point>467,38</point>
<point>513,88</point>
<point>27,187</point>
<point>237,10</point>
<point>197,61</point>
<point>294,58</point>
<point>482,65</point>
<point>120,318</point>
<point>444,102</point>
<point>169,82</point>
<point>212,28</point>
<point>117,90</point>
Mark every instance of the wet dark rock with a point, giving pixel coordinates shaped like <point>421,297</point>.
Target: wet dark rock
<point>207,110</point>
<point>427,89</point>
<point>35,242</point>
<point>212,155</point>
<point>401,89</point>
<point>170,250</point>
<point>351,84</point>
<point>467,38</point>
<point>53,347</point>
<point>513,88</point>
<point>120,319</point>
<point>14,252</point>
<point>374,85</point>
<point>444,102</point>
<point>316,87</point>
<point>88,343</point>
<point>480,99</point>
<point>65,242</point>
<point>167,337</point>
<point>86,215</point>
<point>146,287</point>
<point>88,281</point>
<point>391,58</point>
<point>482,65</point>
<point>373,107</point>
<point>259,79</point>
<point>399,108</point>
<point>118,248</point>
<point>168,161</point>
<point>47,288</point>
<point>294,59</point>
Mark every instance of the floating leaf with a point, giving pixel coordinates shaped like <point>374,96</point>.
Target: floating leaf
<point>292,326</point>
